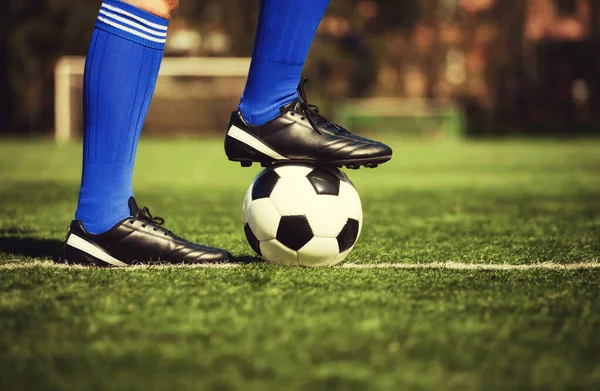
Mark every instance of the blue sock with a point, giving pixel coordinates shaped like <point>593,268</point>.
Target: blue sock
<point>120,74</point>
<point>285,32</point>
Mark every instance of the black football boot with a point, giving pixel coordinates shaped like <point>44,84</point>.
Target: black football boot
<point>138,239</point>
<point>300,134</point>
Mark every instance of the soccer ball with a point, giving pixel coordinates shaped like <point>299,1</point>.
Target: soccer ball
<point>298,214</point>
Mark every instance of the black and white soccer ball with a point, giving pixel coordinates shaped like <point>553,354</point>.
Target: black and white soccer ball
<point>297,214</point>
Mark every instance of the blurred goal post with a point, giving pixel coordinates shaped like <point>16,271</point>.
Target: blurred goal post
<point>69,70</point>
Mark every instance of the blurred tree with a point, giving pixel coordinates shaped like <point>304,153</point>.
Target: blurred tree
<point>38,32</point>
<point>6,95</point>
<point>236,17</point>
<point>394,16</point>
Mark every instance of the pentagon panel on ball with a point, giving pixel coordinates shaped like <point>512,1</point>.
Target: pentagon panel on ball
<point>300,214</point>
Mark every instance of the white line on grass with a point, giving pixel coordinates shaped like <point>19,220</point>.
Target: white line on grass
<point>474,266</point>
<point>16,264</point>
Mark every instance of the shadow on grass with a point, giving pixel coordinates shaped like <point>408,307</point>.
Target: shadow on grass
<point>247,259</point>
<point>48,248</point>
<point>34,248</point>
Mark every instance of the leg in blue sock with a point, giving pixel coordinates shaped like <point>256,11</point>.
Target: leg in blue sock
<point>120,74</point>
<point>286,29</point>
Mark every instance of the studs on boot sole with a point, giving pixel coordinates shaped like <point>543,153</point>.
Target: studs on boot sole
<point>249,163</point>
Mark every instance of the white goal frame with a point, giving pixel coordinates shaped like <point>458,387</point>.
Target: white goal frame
<point>68,67</point>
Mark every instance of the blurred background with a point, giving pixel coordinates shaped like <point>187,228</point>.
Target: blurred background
<point>430,68</point>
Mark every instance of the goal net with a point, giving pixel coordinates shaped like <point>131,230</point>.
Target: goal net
<point>193,96</point>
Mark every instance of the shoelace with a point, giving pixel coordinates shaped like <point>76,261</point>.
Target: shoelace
<point>309,111</point>
<point>144,214</point>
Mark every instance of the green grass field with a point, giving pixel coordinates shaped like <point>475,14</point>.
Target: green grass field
<point>263,327</point>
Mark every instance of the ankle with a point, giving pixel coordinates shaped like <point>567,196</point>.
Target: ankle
<point>161,8</point>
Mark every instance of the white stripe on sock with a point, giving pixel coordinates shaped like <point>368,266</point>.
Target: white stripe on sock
<point>133,24</point>
<point>132,16</point>
<point>88,248</point>
<point>241,136</point>
<point>131,31</point>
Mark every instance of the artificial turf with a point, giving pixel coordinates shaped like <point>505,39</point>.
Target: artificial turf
<point>264,327</point>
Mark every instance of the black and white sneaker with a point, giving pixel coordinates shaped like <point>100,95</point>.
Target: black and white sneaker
<point>136,240</point>
<point>300,134</point>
